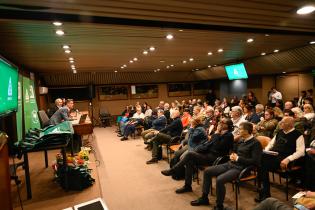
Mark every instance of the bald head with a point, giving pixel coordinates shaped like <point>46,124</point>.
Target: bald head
<point>287,123</point>
<point>175,114</point>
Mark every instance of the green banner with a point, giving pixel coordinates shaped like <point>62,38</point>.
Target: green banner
<point>19,113</point>
<point>30,105</point>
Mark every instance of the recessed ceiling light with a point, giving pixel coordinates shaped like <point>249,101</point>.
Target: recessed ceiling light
<point>135,59</point>
<point>172,65</point>
<point>131,61</point>
<point>197,69</point>
<point>250,40</point>
<point>57,23</point>
<point>72,66</point>
<point>125,65</point>
<point>122,67</point>
<point>60,32</point>
<point>167,67</point>
<point>209,66</point>
<point>67,51</point>
<point>158,69</point>
<point>145,52</point>
<point>74,71</point>
<point>154,70</point>
<point>181,30</point>
<point>263,53</point>
<point>152,48</point>
<point>71,59</point>
<point>305,10</point>
<point>312,42</point>
<point>191,59</point>
<point>65,46</point>
<point>162,61</point>
<point>209,53</point>
<point>220,50</point>
<point>184,61</point>
<point>214,65</point>
<point>267,35</point>
<point>116,71</point>
<point>276,50</point>
<point>169,36</point>
<point>284,72</point>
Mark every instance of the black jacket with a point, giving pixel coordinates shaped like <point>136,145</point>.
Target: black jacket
<point>174,129</point>
<point>159,123</point>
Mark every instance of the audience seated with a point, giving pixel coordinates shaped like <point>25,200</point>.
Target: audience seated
<point>157,124</point>
<point>206,153</point>
<point>58,104</point>
<point>130,127</point>
<point>251,116</point>
<point>289,145</point>
<point>165,135</point>
<point>259,108</point>
<point>247,152</point>
<point>185,118</point>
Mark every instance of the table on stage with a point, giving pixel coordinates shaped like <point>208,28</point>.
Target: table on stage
<point>85,128</point>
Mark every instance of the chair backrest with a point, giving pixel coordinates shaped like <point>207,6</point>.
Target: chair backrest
<point>104,112</point>
<point>264,140</point>
<point>43,118</point>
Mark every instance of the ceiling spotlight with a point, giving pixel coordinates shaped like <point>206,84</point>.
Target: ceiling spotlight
<point>60,32</point>
<point>122,67</point>
<point>209,66</point>
<point>191,59</point>
<point>125,65</point>
<point>71,59</point>
<point>154,71</point>
<point>284,72</point>
<point>131,61</point>
<point>65,46</point>
<point>220,50</point>
<point>172,65</point>
<point>74,71</point>
<point>67,51</point>
<point>135,59</point>
<point>145,52</point>
<point>312,42</point>
<point>276,50</point>
<point>305,10</point>
<point>267,35</point>
<point>158,69</point>
<point>169,36</point>
<point>167,67</point>
<point>116,71</point>
<point>209,53</point>
<point>263,53</point>
<point>214,65</point>
<point>57,23</point>
<point>250,40</point>
<point>162,61</point>
<point>152,48</point>
<point>184,61</point>
<point>181,30</point>
<point>72,66</point>
<point>197,69</point>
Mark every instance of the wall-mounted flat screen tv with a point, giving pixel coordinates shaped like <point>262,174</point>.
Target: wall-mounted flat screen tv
<point>8,88</point>
<point>236,71</point>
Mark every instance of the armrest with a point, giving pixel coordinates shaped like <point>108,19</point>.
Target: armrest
<point>245,172</point>
<point>221,159</point>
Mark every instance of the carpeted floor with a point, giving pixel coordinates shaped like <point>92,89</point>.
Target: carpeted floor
<point>124,181</point>
<point>128,183</point>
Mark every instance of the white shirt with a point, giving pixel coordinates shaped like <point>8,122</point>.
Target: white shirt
<point>137,116</point>
<point>276,96</point>
<point>148,113</point>
<point>300,147</point>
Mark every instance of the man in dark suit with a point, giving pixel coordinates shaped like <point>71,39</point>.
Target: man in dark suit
<point>62,114</point>
<point>247,152</point>
<point>158,124</point>
<point>165,135</point>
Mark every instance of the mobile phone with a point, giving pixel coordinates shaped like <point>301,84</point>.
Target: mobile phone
<point>300,207</point>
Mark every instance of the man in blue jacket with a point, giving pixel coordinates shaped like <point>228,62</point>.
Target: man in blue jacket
<point>158,124</point>
<point>165,135</point>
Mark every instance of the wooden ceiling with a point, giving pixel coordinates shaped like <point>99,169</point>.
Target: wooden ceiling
<point>104,35</point>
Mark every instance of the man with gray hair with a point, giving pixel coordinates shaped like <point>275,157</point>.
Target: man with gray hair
<point>287,146</point>
<point>259,108</point>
